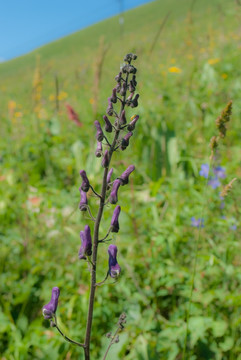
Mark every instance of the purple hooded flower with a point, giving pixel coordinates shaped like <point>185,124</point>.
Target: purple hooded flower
<point>214,183</point>
<point>118,77</point>
<point>49,309</point>
<point>219,171</point>
<point>114,267</point>
<point>99,133</point>
<point>113,195</point>
<point>133,122</point>
<point>197,222</point>
<point>115,219</point>
<point>125,141</point>
<point>109,109</point>
<point>125,176</point>
<point>85,183</point>
<point>108,179</point>
<point>123,89</point>
<point>204,170</point>
<point>86,243</point>
<point>98,151</point>
<point>105,160</point>
<point>123,118</point>
<point>108,126</point>
<point>113,98</point>
<point>83,200</point>
<point>134,102</point>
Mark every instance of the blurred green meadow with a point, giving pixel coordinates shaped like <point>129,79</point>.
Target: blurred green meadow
<point>188,69</point>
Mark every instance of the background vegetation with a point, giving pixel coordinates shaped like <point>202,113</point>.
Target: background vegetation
<point>188,70</point>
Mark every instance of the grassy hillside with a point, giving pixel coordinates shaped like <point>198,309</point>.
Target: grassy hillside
<point>187,72</point>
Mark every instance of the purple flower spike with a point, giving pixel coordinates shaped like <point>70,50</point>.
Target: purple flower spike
<point>85,183</point>
<point>113,195</point>
<point>49,309</point>
<point>219,171</point>
<point>197,222</point>
<point>204,170</point>
<point>108,126</point>
<point>214,183</point>
<point>98,151</point>
<point>105,160</point>
<point>132,124</point>
<point>123,118</point>
<point>86,243</point>
<point>125,141</point>
<point>113,98</point>
<point>99,132</point>
<point>115,220</point>
<point>109,109</point>
<point>114,267</point>
<point>125,176</point>
<point>83,200</point>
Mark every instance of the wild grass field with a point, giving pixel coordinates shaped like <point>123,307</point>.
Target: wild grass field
<point>181,277</point>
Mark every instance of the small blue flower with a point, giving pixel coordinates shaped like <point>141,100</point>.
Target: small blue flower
<point>197,222</point>
<point>219,171</point>
<point>204,170</point>
<point>214,183</point>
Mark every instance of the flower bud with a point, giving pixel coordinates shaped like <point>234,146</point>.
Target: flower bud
<point>130,69</point>
<point>118,87</point>
<point>123,118</point>
<point>125,176</point>
<point>109,109</point>
<point>108,126</point>
<point>129,99</point>
<point>113,195</point>
<point>114,267</point>
<point>113,98</point>
<point>86,243</point>
<point>49,309</point>
<point>105,160</point>
<point>133,122</point>
<point>134,102</point>
<point>134,80</point>
<point>99,133</point>
<point>130,57</point>
<point>131,87</point>
<point>118,77</point>
<point>85,183</point>
<point>125,141</point>
<point>115,220</point>
<point>98,151</point>
<point>123,89</point>
<point>108,179</point>
<point>83,200</point>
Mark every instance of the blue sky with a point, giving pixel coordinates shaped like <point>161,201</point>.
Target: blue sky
<point>28,24</point>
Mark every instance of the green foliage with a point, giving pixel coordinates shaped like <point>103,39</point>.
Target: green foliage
<point>184,84</point>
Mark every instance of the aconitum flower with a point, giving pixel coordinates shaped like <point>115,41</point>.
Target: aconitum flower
<point>99,133</point>
<point>113,195</point>
<point>115,220</point>
<point>204,170</point>
<point>108,125</point>
<point>133,122</point>
<point>110,109</point>
<point>123,118</point>
<point>134,102</point>
<point>219,171</point>
<point>125,141</point>
<point>98,151</point>
<point>114,267</point>
<point>85,184</point>
<point>197,222</point>
<point>125,176</point>
<point>113,98</point>
<point>49,309</point>
<point>83,200</point>
<point>214,183</point>
<point>106,159</point>
<point>86,243</point>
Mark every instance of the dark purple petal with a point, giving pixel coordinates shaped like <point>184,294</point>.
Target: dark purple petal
<point>220,172</point>
<point>98,151</point>
<point>85,183</point>
<point>113,195</point>
<point>83,200</point>
<point>108,125</point>
<point>106,159</point>
<point>125,176</point>
<point>114,267</point>
<point>86,243</point>
<point>115,219</point>
<point>99,133</point>
<point>49,309</point>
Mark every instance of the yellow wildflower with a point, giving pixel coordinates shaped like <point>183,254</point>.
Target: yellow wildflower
<point>175,69</point>
<point>213,61</point>
<point>62,95</point>
<point>52,97</point>
<point>224,76</point>
<point>91,101</point>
